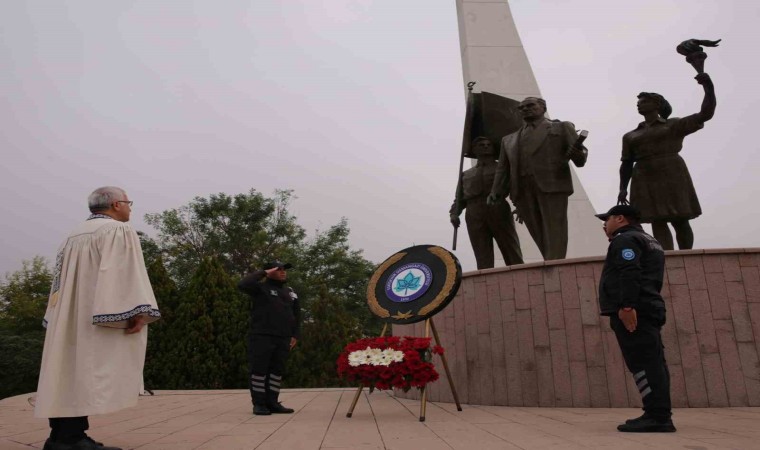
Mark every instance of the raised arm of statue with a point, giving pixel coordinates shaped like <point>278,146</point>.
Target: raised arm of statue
<point>709,102</point>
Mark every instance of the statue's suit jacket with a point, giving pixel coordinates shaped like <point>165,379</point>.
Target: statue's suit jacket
<point>548,159</point>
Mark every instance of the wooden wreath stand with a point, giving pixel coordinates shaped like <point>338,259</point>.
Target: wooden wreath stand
<point>429,325</point>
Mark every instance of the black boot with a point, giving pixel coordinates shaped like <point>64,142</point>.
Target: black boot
<point>261,410</point>
<point>641,417</point>
<point>260,404</point>
<point>648,425</point>
<point>275,406</point>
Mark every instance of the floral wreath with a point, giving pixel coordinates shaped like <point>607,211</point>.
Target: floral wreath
<point>389,362</point>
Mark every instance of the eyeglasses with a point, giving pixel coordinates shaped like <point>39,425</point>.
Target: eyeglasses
<point>128,202</point>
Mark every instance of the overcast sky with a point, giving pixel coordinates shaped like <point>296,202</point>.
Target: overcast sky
<point>355,105</point>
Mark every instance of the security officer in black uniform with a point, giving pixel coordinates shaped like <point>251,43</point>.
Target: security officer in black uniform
<point>629,293</point>
<point>275,328</point>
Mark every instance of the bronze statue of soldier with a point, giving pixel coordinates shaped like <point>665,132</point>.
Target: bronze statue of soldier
<point>534,160</point>
<point>661,186</point>
<point>485,223</point>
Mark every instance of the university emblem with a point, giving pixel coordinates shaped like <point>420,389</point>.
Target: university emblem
<point>414,284</point>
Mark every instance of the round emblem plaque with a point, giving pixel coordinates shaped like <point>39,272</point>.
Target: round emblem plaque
<point>414,284</point>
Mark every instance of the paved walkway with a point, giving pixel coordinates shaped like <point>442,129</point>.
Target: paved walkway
<point>222,420</point>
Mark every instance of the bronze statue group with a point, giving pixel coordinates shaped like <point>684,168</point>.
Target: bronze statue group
<point>532,169</point>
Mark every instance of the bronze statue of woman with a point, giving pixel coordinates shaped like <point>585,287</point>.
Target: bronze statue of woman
<point>661,187</point>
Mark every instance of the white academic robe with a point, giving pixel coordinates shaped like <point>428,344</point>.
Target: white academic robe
<point>89,364</point>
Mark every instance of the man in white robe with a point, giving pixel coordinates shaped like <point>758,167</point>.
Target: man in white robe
<point>100,302</point>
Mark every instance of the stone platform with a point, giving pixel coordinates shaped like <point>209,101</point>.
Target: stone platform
<point>531,335</point>
<point>222,420</point>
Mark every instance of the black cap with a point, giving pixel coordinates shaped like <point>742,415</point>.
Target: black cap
<point>621,210</point>
<point>277,263</point>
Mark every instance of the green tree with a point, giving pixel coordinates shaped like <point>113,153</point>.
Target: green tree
<point>241,231</point>
<point>324,334</point>
<point>327,261</point>
<point>24,295</point>
<point>151,251</point>
<point>160,346</point>
<point>204,340</point>
<point>230,318</point>
<point>23,300</point>
<point>20,363</point>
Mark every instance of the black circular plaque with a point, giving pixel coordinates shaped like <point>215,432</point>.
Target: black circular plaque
<point>414,284</point>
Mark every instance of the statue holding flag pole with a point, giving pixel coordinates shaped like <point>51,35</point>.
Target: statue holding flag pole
<point>489,117</point>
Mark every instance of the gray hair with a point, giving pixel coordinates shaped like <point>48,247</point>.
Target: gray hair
<point>102,198</point>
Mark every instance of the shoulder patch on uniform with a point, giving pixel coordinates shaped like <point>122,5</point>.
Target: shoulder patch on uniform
<point>628,254</point>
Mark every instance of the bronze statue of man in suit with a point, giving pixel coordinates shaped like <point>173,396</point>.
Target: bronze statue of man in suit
<point>534,161</point>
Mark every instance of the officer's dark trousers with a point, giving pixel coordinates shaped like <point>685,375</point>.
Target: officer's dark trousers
<point>267,356</point>
<point>644,355</point>
<point>68,430</point>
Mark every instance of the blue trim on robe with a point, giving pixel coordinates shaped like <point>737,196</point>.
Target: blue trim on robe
<point>110,318</point>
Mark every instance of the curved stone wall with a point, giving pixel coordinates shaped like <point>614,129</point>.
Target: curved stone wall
<point>531,335</point>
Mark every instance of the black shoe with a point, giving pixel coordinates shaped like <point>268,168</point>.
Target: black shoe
<point>85,443</point>
<point>641,417</point>
<point>277,408</point>
<point>261,410</point>
<point>648,425</point>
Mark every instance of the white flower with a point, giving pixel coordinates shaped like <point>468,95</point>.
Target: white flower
<point>396,356</point>
<point>374,357</point>
<point>356,358</point>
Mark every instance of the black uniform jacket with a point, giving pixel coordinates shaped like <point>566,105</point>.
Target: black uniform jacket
<point>275,309</point>
<point>633,272</point>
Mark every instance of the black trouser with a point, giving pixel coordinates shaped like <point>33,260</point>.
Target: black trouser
<point>68,430</point>
<point>644,355</point>
<point>267,356</point>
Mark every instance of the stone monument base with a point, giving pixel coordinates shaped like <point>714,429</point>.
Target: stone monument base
<point>531,335</point>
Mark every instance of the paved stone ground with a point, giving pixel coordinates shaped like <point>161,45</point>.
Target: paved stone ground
<point>222,420</point>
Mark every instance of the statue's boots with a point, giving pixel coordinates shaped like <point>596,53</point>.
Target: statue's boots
<point>275,406</point>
